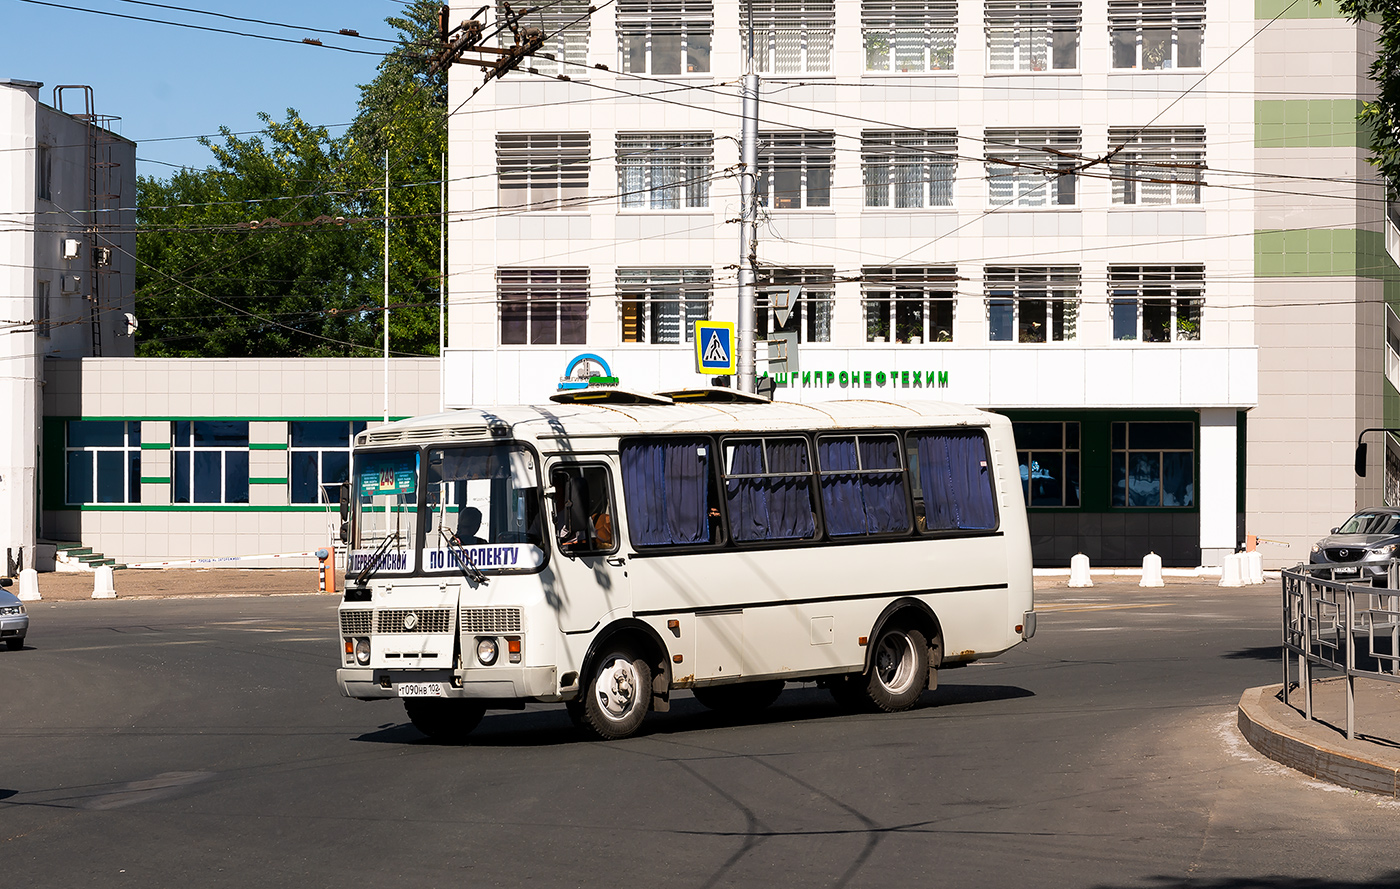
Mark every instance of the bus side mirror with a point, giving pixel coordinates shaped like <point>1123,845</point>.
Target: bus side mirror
<point>1361,459</point>
<point>345,512</point>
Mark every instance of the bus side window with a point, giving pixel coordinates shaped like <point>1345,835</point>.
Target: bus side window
<point>583,510</point>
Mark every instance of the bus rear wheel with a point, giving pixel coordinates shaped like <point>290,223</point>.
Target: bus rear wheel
<point>898,669</point>
<point>445,720</point>
<point>743,699</point>
<point>617,696</point>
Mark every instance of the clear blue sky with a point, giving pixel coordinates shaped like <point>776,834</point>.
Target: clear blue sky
<point>165,81</point>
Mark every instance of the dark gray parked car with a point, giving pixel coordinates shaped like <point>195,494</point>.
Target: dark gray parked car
<point>14,623</point>
<point>1362,547</point>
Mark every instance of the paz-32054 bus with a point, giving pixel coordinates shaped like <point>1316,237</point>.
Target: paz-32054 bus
<point>609,549</point>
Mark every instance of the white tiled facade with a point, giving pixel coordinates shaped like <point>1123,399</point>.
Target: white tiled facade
<point>1093,371</point>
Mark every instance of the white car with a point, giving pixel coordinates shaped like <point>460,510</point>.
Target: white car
<point>14,623</point>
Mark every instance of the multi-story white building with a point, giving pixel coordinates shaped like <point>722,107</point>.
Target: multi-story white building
<point>1008,203</point>
<point>67,244</point>
<point>1144,229</point>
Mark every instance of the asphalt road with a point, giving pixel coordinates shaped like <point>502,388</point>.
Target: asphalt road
<point>202,742</point>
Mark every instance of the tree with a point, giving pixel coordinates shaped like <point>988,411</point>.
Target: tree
<point>1383,114</point>
<point>404,111</point>
<point>247,258</point>
<point>233,259</point>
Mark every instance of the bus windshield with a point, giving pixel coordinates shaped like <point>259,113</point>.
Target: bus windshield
<point>483,502</point>
<point>386,506</point>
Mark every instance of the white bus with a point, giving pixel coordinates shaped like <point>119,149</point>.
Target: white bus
<point>608,549</point>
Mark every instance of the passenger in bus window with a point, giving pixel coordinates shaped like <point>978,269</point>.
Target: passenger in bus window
<point>468,523</point>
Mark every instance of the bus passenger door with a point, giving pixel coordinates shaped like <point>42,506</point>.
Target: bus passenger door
<point>587,578</point>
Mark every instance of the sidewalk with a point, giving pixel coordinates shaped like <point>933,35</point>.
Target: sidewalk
<point>148,583</point>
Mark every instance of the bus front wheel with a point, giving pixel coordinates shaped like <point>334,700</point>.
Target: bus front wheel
<point>617,696</point>
<point>445,720</point>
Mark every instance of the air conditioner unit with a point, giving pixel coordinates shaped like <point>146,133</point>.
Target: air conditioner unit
<point>70,283</point>
<point>72,247</point>
<point>102,255</point>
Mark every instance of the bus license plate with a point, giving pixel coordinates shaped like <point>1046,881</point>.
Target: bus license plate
<point>421,690</point>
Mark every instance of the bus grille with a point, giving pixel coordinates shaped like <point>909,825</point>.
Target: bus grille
<point>490,620</point>
<point>425,620</point>
<point>355,623</point>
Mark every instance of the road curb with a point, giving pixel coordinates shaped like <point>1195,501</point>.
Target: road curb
<point>1284,735</point>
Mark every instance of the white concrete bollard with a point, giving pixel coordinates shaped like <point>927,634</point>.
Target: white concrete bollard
<point>1079,571</point>
<point>1151,570</point>
<point>1230,571</point>
<point>102,587</point>
<point>1255,562</point>
<point>29,585</point>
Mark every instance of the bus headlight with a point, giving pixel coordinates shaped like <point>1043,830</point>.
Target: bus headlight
<point>486,651</point>
<point>362,652</point>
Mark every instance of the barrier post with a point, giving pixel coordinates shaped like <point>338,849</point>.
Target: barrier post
<point>1079,571</point>
<point>29,585</point>
<point>327,557</point>
<point>1151,571</point>
<point>102,585</point>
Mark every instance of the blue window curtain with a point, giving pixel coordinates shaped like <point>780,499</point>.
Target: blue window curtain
<point>886,506</point>
<point>777,504</point>
<point>667,487</point>
<point>868,502</point>
<point>956,481</point>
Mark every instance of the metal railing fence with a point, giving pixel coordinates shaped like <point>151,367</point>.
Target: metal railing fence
<point>1353,628</point>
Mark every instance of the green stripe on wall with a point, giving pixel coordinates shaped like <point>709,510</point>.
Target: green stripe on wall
<point>1309,123</point>
<point>155,445</point>
<point>1302,9</point>
<point>267,446</point>
<point>188,507</point>
<point>267,481</point>
<point>1309,253</point>
<point>155,480</point>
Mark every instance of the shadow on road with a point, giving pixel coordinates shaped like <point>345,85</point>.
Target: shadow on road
<point>1265,882</point>
<point>550,725</point>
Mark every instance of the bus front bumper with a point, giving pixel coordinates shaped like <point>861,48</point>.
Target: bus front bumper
<point>502,683</point>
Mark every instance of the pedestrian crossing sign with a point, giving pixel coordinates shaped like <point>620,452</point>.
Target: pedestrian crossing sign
<point>714,347</point>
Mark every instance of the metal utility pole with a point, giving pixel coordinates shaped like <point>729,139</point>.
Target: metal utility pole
<point>746,330</point>
<point>386,285</point>
<point>442,286</point>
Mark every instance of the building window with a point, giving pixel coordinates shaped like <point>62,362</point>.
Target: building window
<point>1032,168</point>
<point>103,460</point>
<point>794,170</point>
<point>543,306</point>
<point>320,457</point>
<point>210,461</point>
<point>1038,304</point>
<point>1157,166</point>
<point>669,171</point>
<point>1032,35</point>
<point>811,311</point>
<point>1049,458</point>
<point>662,305</point>
<point>43,172</point>
<point>1156,303</point>
<point>909,35</point>
<point>565,25</point>
<point>42,326</point>
<point>909,305</point>
<point>665,36</point>
<point>790,36</point>
<point>1152,35</point>
<point>542,171</point>
<point>908,168</point>
<point>1154,464</point>
<point>1392,347</point>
